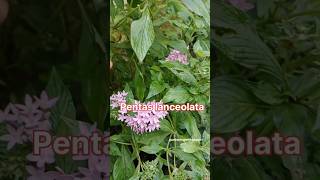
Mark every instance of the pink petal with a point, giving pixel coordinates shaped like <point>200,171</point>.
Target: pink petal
<point>28,100</point>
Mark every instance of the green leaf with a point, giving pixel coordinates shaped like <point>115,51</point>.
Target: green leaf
<point>156,87</point>
<point>198,7</point>
<point>151,149</point>
<point>180,71</point>
<point>290,119</point>
<point>234,105</point>
<point>273,96</point>
<point>176,95</point>
<point>265,7</point>
<point>155,137</point>
<point>307,84</point>
<point>129,91</point>
<point>190,123</point>
<point>62,116</point>
<point>226,16</point>
<point>114,150</point>
<point>179,45</point>
<point>142,35</point>
<point>247,49</point>
<point>201,48</point>
<point>139,84</point>
<point>92,72</point>
<point>121,164</point>
<point>166,126</point>
<point>64,106</point>
<point>190,147</point>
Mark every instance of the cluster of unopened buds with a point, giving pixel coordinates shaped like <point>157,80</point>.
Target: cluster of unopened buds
<point>140,121</point>
<point>22,120</point>
<point>150,170</point>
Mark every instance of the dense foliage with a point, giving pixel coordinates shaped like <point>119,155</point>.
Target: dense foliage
<point>160,52</point>
<point>267,80</point>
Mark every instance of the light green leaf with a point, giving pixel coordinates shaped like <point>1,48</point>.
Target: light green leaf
<point>190,123</point>
<point>156,87</point>
<point>142,35</point>
<point>180,71</point>
<point>166,126</point>
<point>198,7</point>
<point>201,48</point>
<point>139,84</point>
<point>177,95</point>
<point>121,164</point>
<point>190,147</point>
<point>151,149</point>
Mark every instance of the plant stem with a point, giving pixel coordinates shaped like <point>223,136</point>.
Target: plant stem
<point>136,149</point>
<point>167,155</point>
<point>123,143</point>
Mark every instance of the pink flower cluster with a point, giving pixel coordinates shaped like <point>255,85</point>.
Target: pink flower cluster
<point>242,4</point>
<point>23,119</point>
<point>97,165</point>
<point>139,121</point>
<point>176,55</point>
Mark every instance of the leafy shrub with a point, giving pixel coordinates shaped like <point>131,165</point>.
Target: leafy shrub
<point>267,80</point>
<point>160,52</point>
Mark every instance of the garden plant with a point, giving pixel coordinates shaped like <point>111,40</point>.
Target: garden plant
<point>159,55</point>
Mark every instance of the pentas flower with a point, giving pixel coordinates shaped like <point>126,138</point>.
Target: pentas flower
<point>176,55</point>
<point>118,99</point>
<point>15,136</point>
<point>89,174</point>
<point>44,102</point>
<point>40,174</point>
<point>242,4</point>
<point>140,121</point>
<point>46,157</point>
<point>98,165</point>
<point>23,119</point>
<point>10,114</point>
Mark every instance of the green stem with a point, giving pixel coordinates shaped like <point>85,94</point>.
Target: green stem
<point>136,149</point>
<point>167,155</point>
<point>123,143</point>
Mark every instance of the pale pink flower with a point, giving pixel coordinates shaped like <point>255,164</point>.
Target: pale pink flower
<point>46,157</point>
<point>90,174</point>
<point>30,108</point>
<point>176,55</point>
<point>39,174</point>
<point>14,137</point>
<point>31,120</point>
<point>140,121</point>
<point>10,114</point>
<point>99,163</point>
<point>242,4</point>
<point>86,130</point>
<point>118,99</point>
<point>44,102</point>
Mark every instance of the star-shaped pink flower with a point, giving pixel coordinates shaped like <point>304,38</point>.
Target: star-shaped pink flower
<point>14,137</point>
<point>44,101</point>
<point>46,157</point>
<point>10,114</point>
